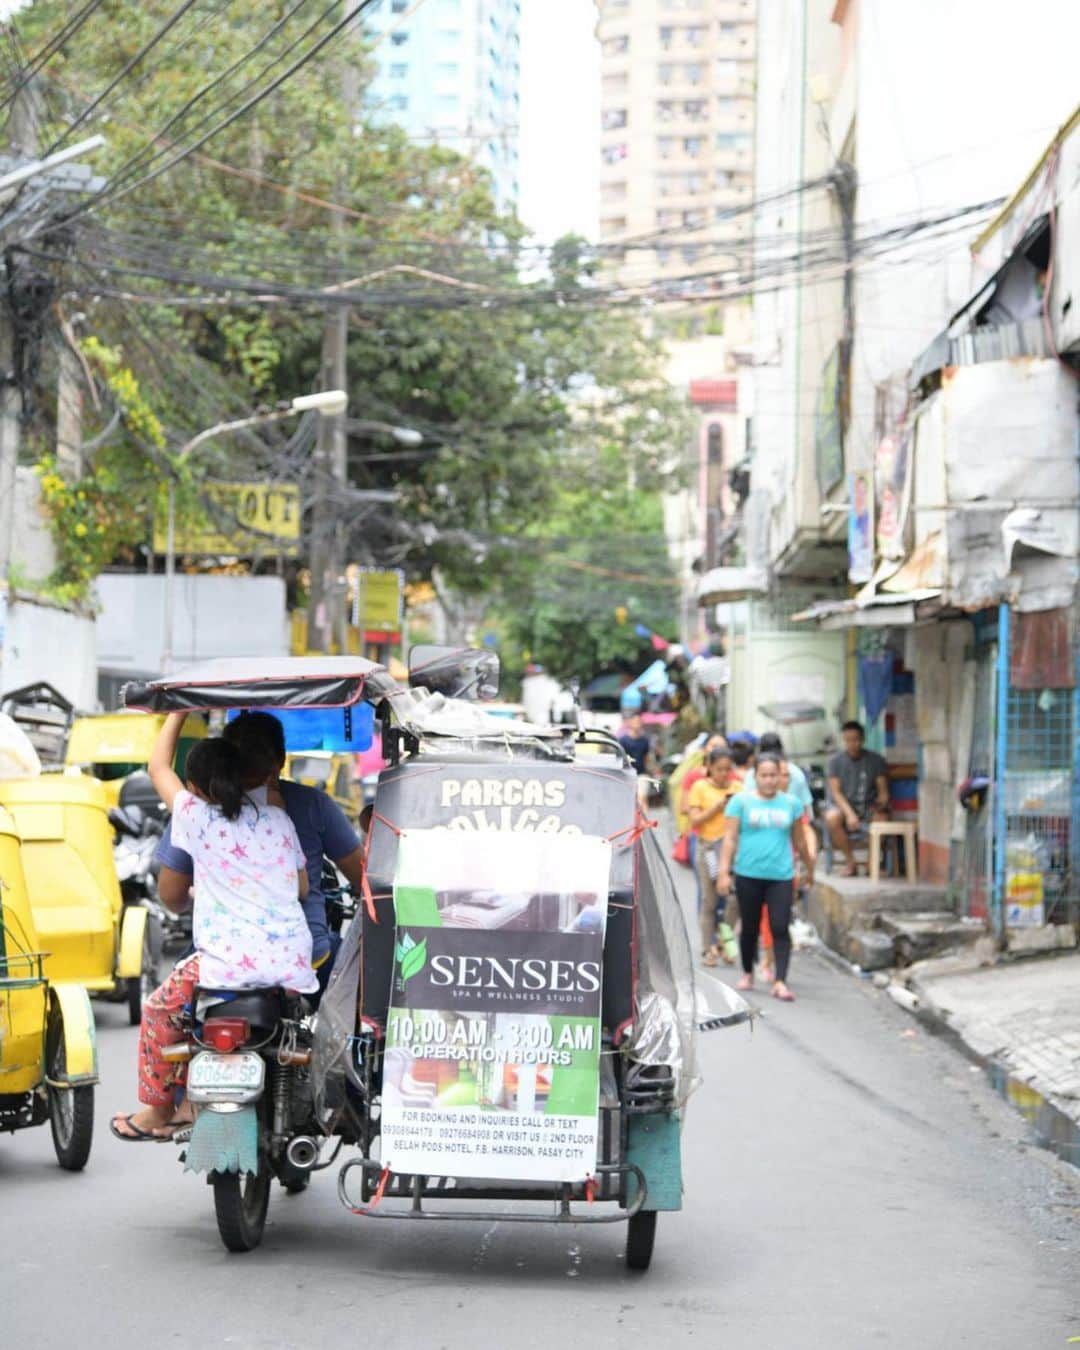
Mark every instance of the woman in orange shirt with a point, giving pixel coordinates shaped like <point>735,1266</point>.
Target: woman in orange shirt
<point>708,798</point>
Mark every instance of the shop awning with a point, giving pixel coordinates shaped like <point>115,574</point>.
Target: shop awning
<point>724,584</point>
<point>877,611</point>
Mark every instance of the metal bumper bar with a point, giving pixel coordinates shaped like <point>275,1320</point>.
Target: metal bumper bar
<point>561,1196</point>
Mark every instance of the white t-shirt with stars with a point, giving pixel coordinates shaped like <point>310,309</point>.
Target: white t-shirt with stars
<point>248,926</point>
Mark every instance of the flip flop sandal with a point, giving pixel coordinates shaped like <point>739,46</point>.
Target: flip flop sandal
<point>784,995</point>
<point>138,1135</point>
<point>710,958</point>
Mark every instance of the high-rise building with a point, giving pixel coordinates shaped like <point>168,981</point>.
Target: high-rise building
<point>677,125</point>
<point>448,72</point>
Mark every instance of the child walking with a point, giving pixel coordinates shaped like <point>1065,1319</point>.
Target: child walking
<point>248,928</point>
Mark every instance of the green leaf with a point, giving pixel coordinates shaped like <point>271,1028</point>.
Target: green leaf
<point>414,961</point>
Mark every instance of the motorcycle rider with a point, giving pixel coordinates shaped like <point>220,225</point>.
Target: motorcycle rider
<point>322,826</point>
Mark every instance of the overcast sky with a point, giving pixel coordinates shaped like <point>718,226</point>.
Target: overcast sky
<point>560,117</point>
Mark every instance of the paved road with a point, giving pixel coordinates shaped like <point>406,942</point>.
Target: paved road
<point>850,1185</point>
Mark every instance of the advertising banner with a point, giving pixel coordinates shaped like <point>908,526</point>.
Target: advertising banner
<point>892,474</point>
<point>860,526</point>
<point>376,600</point>
<point>492,1062</point>
<point>240,518</point>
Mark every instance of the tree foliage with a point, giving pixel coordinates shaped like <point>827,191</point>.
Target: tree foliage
<point>535,414</point>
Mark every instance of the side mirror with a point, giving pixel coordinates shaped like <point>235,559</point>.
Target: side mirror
<point>456,672</point>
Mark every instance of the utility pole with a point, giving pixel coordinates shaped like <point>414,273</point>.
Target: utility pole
<point>24,129</point>
<point>329,532</point>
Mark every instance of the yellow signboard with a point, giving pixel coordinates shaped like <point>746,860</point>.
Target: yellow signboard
<point>376,599</point>
<point>239,518</point>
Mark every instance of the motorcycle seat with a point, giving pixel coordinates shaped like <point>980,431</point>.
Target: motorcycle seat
<point>263,1008</point>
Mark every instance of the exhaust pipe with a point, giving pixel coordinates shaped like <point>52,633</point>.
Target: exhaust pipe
<point>302,1153</point>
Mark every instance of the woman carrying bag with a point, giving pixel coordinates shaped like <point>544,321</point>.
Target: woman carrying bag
<point>762,826</point>
<point>706,803</point>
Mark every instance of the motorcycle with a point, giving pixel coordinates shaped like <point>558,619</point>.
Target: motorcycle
<point>248,1055</point>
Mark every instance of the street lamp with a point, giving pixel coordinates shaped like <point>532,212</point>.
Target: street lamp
<point>403,435</point>
<point>327,403</point>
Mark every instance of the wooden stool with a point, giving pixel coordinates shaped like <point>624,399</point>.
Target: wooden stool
<point>880,830</point>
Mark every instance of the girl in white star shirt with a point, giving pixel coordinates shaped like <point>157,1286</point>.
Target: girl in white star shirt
<point>249,930</point>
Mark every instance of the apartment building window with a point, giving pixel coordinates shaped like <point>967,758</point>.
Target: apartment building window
<point>399,6</point>
<point>665,147</point>
<point>448,70</point>
<point>726,105</point>
<point>612,154</point>
<point>398,102</point>
<point>667,38</point>
<point>695,109</point>
<point>616,84</point>
<point>617,45</point>
<point>398,39</point>
<point>726,140</point>
<point>693,145</point>
<point>613,119</point>
<point>613,224</point>
<point>693,72</point>
<point>690,253</point>
<point>727,70</point>
<point>667,220</point>
<point>398,70</point>
<point>664,256</point>
<point>665,72</point>
<point>694,219</point>
<point>612,192</point>
<point>695,35</point>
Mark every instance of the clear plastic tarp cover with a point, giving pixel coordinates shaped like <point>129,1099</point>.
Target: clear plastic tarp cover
<point>671,1005</point>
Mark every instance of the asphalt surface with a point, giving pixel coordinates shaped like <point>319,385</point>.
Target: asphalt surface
<point>851,1183</point>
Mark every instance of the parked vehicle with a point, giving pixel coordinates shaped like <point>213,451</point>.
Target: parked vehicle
<point>278,1093</point>
<point>114,747</point>
<point>89,935</point>
<point>48,1055</point>
<point>334,773</point>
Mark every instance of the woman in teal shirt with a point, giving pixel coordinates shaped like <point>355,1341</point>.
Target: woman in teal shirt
<point>762,825</point>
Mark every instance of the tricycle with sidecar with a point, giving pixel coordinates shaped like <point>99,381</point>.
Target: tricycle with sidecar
<point>511,1016</point>
<point>48,1055</point>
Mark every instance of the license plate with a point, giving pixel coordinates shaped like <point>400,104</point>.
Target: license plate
<point>225,1075</point>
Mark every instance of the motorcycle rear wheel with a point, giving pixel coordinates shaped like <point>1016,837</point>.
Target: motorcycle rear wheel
<point>240,1204</point>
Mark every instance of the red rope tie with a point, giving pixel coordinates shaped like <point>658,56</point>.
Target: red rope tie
<point>380,1190</point>
<point>365,884</point>
<point>633,832</point>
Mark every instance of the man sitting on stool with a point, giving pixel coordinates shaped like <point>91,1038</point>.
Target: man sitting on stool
<point>858,792</point>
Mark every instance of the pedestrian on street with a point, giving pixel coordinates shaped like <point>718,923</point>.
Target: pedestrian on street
<point>858,792</point>
<point>707,802</point>
<point>636,743</point>
<point>763,824</point>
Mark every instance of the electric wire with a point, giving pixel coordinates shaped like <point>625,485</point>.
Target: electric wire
<point>107,194</point>
<point>128,66</point>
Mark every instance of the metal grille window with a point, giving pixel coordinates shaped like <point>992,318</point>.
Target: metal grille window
<point>1040,842</point>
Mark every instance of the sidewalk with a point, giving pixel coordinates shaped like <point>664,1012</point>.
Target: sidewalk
<point>1024,1016</point>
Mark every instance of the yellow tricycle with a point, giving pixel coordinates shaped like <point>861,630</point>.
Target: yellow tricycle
<point>115,746</point>
<point>90,936</point>
<point>48,1054</point>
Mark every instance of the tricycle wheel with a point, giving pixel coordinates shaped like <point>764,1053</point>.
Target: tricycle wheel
<point>640,1237</point>
<point>240,1204</point>
<point>71,1114</point>
<point>140,987</point>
